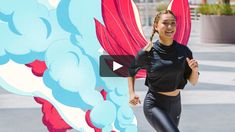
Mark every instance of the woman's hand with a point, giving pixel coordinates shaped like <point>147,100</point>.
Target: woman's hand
<point>192,64</point>
<point>148,47</point>
<point>193,78</point>
<point>134,99</point>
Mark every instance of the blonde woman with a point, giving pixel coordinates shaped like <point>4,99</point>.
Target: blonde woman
<point>169,66</point>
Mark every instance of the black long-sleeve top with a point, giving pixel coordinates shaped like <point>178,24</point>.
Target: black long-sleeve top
<point>166,66</point>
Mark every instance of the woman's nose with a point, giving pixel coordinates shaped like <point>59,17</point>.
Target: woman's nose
<point>170,26</point>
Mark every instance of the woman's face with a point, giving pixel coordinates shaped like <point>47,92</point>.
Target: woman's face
<point>166,26</point>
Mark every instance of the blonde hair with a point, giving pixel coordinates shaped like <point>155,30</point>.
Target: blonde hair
<point>156,20</point>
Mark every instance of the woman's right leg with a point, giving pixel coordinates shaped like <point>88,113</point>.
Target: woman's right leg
<point>156,116</point>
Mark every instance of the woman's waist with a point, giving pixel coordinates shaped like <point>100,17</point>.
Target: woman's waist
<point>171,93</point>
<point>167,92</point>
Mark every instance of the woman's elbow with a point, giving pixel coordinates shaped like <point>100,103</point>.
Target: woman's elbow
<point>193,82</point>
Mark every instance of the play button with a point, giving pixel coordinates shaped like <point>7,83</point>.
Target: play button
<point>115,66</point>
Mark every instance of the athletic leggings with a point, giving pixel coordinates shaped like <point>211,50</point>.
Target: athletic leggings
<point>162,111</point>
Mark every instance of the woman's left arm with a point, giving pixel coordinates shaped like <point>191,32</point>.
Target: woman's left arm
<point>193,78</point>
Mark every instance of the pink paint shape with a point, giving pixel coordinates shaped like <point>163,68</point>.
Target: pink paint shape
<point>51,117</point>
<point>182,12</point>
<point>38,67</point>
<point>120,34</point>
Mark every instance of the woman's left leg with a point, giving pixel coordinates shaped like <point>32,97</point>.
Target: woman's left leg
<point>174,110</point>
<point>162,112</point>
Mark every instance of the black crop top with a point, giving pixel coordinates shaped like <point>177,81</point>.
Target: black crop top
<point>166,66</point>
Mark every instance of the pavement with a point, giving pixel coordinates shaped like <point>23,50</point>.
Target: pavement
<point>207,107</point>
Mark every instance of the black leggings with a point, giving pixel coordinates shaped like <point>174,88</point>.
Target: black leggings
<point>162,112</point>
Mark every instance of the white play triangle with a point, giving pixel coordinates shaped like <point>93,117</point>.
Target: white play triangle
<point>116,65</point>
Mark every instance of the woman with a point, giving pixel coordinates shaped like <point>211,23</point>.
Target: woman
<point>169,65</point>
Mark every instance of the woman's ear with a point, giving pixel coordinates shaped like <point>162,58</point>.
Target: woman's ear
<point>156,27</point>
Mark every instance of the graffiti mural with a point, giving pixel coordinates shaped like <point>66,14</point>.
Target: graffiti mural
<point>50,51</point>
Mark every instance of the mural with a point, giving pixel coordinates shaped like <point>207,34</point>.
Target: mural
<point>50,51</point>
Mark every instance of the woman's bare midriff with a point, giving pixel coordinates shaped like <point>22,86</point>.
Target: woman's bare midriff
<point>172,93</point>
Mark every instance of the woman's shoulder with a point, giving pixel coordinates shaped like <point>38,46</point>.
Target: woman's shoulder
<point>182,46</point>
<point>184,49</point>
<point>142,53</point>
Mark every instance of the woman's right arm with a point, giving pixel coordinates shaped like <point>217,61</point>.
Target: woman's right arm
<point>134,99</point>
<point>131,83</point>
<point>139,62</point>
